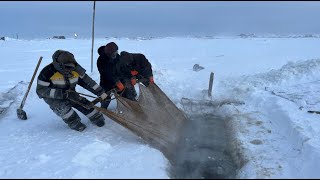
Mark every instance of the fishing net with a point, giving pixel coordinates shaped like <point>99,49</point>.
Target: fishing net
<point>154,118</point>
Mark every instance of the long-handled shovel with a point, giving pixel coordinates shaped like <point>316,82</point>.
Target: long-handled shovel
<point>20,112</point>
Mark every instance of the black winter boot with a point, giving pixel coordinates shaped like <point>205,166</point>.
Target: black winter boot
<point>74,122</point>
<point>97,119</point>
<point>78,127</point>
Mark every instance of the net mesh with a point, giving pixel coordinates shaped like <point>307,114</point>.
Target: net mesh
<point>154,117</point>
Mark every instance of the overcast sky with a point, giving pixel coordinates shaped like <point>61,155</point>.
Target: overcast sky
<point>167,18</point>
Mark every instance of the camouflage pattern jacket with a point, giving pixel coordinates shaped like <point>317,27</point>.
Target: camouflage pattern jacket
<point>52,84</point>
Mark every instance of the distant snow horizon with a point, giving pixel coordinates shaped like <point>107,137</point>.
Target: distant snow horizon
<point>240,35</point>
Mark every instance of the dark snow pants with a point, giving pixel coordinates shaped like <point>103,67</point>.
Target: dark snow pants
<point>63,108</point>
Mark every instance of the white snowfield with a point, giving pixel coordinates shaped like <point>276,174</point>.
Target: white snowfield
<point>278,79</point>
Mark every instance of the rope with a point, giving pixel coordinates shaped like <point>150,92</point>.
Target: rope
<point>108,92</point>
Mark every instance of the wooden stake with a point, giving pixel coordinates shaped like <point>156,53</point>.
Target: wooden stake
<point>210,84</point>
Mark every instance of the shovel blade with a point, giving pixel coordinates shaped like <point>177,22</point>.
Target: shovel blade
<point>21,114</point>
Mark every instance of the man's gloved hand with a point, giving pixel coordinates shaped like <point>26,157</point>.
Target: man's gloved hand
<point>73,95</point>
<point>134,72</point>
<point>148,81</point>
<point>133,81</point>
<point>120,86</point>
<point>151,80</point>
<point>103,96</point>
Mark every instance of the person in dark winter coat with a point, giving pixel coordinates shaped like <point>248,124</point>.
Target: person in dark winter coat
<point>109,77</point>
<point>122,71</point>
<point>56,85</point>
<point>136,67</point>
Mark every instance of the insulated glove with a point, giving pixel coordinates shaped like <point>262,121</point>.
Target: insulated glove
<point>120,86</point>
<point>151,80</point>
<point>134,72</point>
<point>133,81</point>
<point>103,96</point>
<point>148,81</point>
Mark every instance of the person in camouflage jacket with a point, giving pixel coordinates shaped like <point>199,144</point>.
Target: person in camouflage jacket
<point>56,85</point>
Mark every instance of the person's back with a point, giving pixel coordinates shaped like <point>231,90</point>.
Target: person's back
<point>137,64</point>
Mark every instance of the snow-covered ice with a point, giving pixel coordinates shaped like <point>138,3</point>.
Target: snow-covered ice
<point>277,79</point>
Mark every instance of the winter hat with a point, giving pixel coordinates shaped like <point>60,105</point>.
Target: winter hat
<point>64,62</point>
<point>64,57</point>
<point>101,50</point>
<point>110,48</point>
